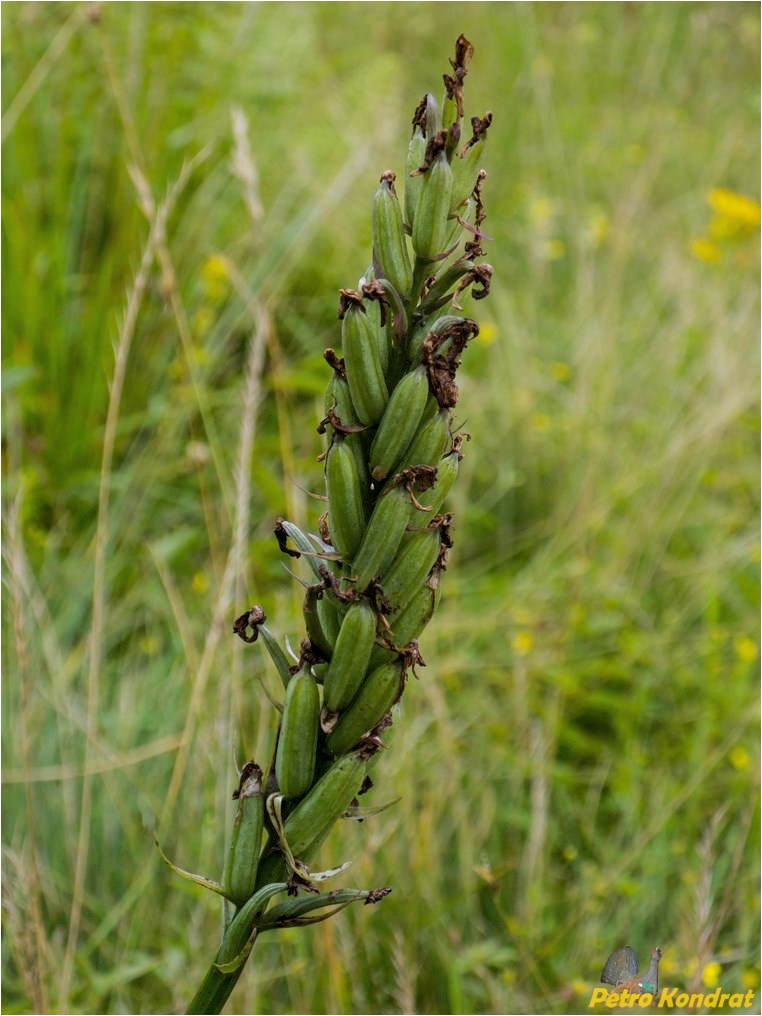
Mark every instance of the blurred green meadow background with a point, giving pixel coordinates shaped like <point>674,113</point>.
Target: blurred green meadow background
<point>186,187</point>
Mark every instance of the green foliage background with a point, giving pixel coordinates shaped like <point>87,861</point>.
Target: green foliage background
<point>577,765</point>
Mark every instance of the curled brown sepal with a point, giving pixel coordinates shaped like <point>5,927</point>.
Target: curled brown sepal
<point>349,298</point>
<point>457,444</point>
<point>380,604</point>
<point>282,537</point>
<point>333,418</point>
<point>308,654</point>
<point>440,564</point>
<point>325,534</point>
<point>371,743</point>
<point>419,116</point>
<point>375,895</point>
<point>479,275</point>
<point>251,773</point>
<point>335,361</point>
<point>479,125</point>
<point>443,523</point>
<point>436,144</point>
<point>300,879</point>
<point>388,297</point>
<point>253,618</point>
<point>411,658</point>
<point>441,367</point>
<point>453,138</point>
<point>373,290</point>
<point>481,215</point>
<point>389,177</point>
<point>417,479</point>
<point>332,583</point>
<point>454,82</point>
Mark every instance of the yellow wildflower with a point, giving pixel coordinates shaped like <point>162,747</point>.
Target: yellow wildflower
<point>523,643</point>
<point>560,371</point>
<point>214,273</point>
<point>542,211</point>
<point>730,205</point>
<point>750,978</point>
<point>487,333</point>
<point>746,649</point>
<point>541,422</point>
<point>705,250</point>
<point>200,583</point>
<point>711,974</point>
<point>739,757</point>
<point>553,249</point>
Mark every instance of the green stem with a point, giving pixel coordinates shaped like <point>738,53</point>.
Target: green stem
<point>214,990</point>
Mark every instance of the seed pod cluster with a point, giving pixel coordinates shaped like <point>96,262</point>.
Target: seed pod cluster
<point>391,457</point>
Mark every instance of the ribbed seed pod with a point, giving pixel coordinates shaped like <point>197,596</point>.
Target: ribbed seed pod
<point>399,423</point>
<point>350,659</point>
<point>240,875</point>
<point>309,822</point>
<point>346,502</point>
<point>447,474</point>
<point>379,692</point>
<point>383,534</point>
<point>297,744</point>
<point>465,172</point>
<point>416,153</point>
<point>433,116</point>
<point>411,567</point>
<point>389,243</point>
<point>430,442</point>
<point>430,226</point>
<point>329,617</point>
<point>365,374</point>
<point>407,624</point>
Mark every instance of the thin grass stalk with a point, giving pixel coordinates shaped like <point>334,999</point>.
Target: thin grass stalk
<point>391,457</point>
<point>122,352</point>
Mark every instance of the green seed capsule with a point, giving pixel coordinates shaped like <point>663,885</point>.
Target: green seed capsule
<point>399,423</point>
<point>240,876</point>
<point>379,692</point>
<point>350,658</point>
<point>389,243</point>
<point>435,324</point>
<point>311,820</point>
<point>430,442</point>
<point>362,356</point>
<point>346,503</point>
<point>433,117</point>
<point>330,620</point>
<point>464,174</point>
<point>385,530</point>
<point>408,624</point>
<point>447,473</point>
<point>430,227</point>
<point>411,567</point>
<point>295,757</point>
<point>416,153</point>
